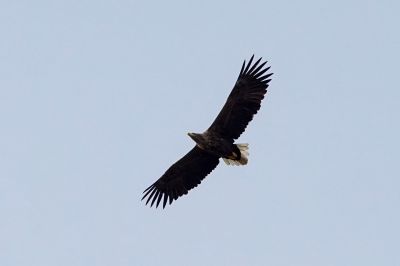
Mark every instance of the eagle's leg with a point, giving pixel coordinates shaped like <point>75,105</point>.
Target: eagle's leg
<point>238,159</point>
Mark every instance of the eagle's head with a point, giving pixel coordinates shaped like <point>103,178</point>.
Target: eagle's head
<point>198,138</point>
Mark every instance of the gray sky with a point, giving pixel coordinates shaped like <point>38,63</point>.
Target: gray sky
<point>96,98</point>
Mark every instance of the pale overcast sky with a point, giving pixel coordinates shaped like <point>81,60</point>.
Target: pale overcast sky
<point>96,98</point>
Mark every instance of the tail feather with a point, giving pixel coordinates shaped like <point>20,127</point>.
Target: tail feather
<point>244,153</point>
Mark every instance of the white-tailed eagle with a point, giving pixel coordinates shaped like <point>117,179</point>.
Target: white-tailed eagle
<point>217,141</point>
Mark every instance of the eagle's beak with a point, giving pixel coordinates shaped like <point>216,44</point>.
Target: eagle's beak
<point>192,136</point>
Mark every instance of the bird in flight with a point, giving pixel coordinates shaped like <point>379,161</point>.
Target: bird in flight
<point>217,141</point>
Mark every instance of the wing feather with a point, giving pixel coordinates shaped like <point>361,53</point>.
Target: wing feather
<point>249,64</point>
<point>244,101</point>
<point>181,177</point>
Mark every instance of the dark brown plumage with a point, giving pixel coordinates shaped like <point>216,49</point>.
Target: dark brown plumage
<point>242,104</point>
<point>182,176</point>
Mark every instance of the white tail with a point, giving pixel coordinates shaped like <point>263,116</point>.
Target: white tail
<point>244,152</point>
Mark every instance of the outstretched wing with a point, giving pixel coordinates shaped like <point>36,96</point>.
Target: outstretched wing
<point>181,177</point>
<point>244,101</point>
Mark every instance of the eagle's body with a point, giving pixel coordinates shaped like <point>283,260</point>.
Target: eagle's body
<point>218,140</point>
<point>218,146</point>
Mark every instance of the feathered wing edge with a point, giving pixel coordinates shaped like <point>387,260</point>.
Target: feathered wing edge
<point>244,101</point>
<point>254,70</point>
<point>181,177</point>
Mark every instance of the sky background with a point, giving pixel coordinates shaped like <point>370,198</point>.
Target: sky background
<point>96,98</point>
